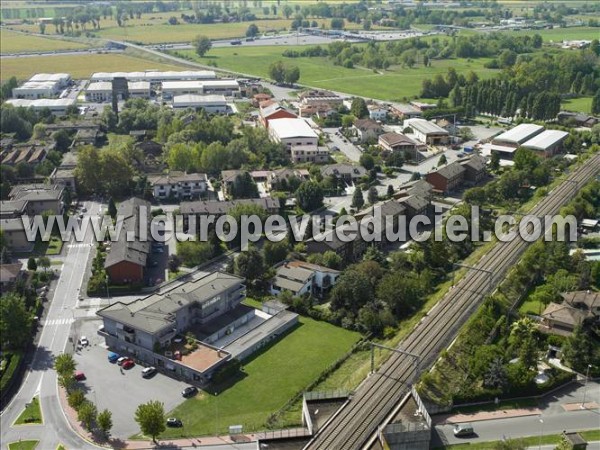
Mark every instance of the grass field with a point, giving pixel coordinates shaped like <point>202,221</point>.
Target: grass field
<point>13,42</point>
<point>79,66</point>
<point>23,445</point>
<point>32,414</point>
<point>531,307</point>
<point>393,84</point>
<point>581,104</point>
<point>560,34</point>
<point>271,379</point>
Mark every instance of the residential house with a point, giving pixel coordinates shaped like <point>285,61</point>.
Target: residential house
<point>15,236</point>
<point>579,119</point>
<point>377,112</point>
<point>474,168</point>
<point>347,172</point>
<point>367,129</point>
<point>64,178</point>
<point>178,185</point>
<point>300,277</point>
<point>227,179</point>
<point>415,204</point>
<point>447,178</point>
<point>273,112</point>
<point>397,142</point>
<point>128,255</point>
<point>587,301</point>
<point>561,319</point>
<point>309,153</point>
<point>11,209</point>
<point>260,97</point>
<point>10,274</point>
<point>278,176</point>
<point>404,111</point>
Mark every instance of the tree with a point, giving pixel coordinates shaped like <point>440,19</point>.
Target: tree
<point>15,321</point>
<point>578,349</point>
<point>372,195</point>
<point>528,353</point>
<point>309,196</point>
<point>337,23</point>
<point>76,399</point>
<point>244,187</point>
<point>495,161</point>
<point>86,414</point>
<point>287,11</point>
<point>249,264</point>
<point>31,264</point>
<point>596,103</point>
<point>44,262</point>
<point>292,74</point>
<point>201,44</point>
<point>252,31</point>
<point>521,330</point>
<point>367,161</point>
<point>277,71</point>
<point>174,263</point>
<point>112,208</point>
<point>151,418</point>
<point>104,420</point>
<point>275,252</point>
<point>64,364</point>
<point>359,108</point>
<point>442,161</point>
<point>357,198</point>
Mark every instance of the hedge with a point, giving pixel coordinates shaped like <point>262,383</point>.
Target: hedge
<point>14,360</point>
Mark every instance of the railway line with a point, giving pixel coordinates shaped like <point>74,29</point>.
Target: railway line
<point>381,391</point>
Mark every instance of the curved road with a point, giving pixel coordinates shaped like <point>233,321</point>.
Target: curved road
<point>40,379</point>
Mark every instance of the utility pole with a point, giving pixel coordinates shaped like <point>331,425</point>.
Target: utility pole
<point>587,376</point>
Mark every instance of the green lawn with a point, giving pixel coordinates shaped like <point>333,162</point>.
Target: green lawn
<point>54,246</point>
<point>23,445</point>
<point>531,307</point>
<point>61,447</point>
<point>392,84</point>
<point>590,436</point>
<point>270,379</point>
<point>13,42</point>
<point>32,414</point>
<point>560,34</point>
<point>79,66</point>
<point>581,104</point>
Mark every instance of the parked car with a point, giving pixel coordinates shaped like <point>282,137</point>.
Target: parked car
<point>128,364</point>
<point>113,357</point>
<point>189,391</point>
<point>148,372</point>
<point>174,422</point>
<point>83,341</point>
<point>463,430</point>
<point>79,376</point>
<point>122,359</point>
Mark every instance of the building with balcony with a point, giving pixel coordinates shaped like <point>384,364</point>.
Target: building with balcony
<point>178,185</point>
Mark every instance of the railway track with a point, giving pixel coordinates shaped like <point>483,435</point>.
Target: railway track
<point>381,391</point>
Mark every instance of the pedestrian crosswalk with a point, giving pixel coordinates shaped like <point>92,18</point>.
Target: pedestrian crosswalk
<point>57,322</point>
<point>79,245</point>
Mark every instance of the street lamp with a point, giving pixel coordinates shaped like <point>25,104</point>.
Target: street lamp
<point>107,293</point>
<point>587,376</point>
<point>216,416</point>
<point>541,433</point>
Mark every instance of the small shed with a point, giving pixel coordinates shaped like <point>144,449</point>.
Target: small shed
<point>575,440</point>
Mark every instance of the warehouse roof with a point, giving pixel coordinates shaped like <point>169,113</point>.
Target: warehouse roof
<point>138,85</point>
<point>546,139</point>
<point>424,126</point>
<point>291,128</point>
<point>97,86</point>
<point>41,102</point>
<point>182,85</point>
<point>221,83</point>
<point>156,76</point>
<point>50,77</point>
<point>520,133</point>
<point>199,99</point>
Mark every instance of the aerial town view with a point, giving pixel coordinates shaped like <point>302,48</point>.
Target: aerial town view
<point>300,224</point>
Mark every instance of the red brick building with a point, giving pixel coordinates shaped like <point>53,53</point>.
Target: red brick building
<point>447,178</point>
<point>274,111</point>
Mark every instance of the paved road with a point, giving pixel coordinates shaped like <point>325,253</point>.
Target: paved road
<point>41,378</point>
<point>555,419</point>
<point>346,147</point>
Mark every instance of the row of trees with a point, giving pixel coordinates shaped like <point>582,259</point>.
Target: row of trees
<point>283,73</point>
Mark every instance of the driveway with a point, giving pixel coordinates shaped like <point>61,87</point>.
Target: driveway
<point>347,148</point>
<point>120,391</point>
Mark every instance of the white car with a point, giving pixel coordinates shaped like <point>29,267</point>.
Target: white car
<point>84,341</point>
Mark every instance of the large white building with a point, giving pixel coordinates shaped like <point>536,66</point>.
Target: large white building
<point>214,104</point>
<point>427,132</point>
<point>101,91</point>
<point>506,144</point>
<point>292,132</point>
<point>155,76</point>
<point>225,87</point>
<point>547,143</point>
<point>42,85</point>
<point>173,88</point>
<point>57,106</point>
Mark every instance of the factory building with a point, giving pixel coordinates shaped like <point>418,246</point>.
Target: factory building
<point>42,85</point>
<point>213,104</point>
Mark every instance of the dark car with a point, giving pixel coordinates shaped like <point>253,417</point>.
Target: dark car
<point>173,422</point>
<point>189,391</point>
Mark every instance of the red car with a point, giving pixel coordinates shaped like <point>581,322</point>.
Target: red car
<point>79,376</point>
<point>128,364</point>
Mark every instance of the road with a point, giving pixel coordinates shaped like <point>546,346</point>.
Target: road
<point>40,379</point>
<point>371,403</point>
<point>555,419</point>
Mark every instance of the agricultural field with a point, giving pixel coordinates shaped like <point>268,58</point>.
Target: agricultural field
<point>392,84</point>
<point>561,34</point>
<point>270,379</point>
<point>14,42</point>
<point>581,104</point>
<point>79,66</point>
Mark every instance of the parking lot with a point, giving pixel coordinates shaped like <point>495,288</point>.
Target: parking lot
<point>120,391</point>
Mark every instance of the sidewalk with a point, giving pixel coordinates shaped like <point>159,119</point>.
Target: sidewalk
<point>448,419</point>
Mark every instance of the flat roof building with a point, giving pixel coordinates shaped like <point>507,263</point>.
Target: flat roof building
<point>517,135</point>
<point>293,132</point>
<point>156,76</point>
<point>428,132</point>
<point>172,88</point>
<point>57,106</point>
<point>226,87</point>
<point>214,104</point>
